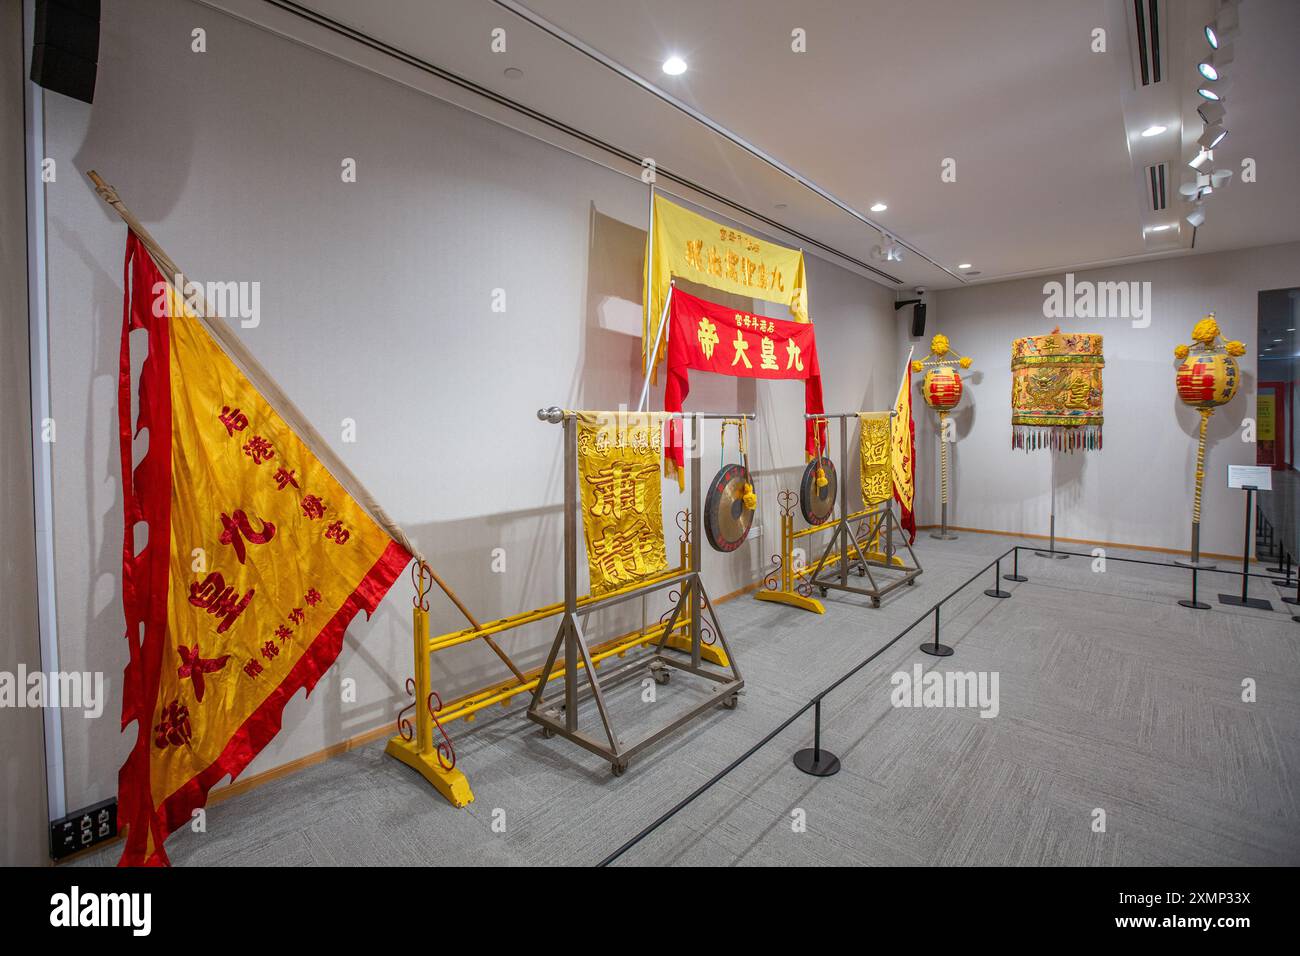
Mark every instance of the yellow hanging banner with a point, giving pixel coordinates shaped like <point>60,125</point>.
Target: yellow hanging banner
<point>877,461</point>
<point>689,246</point>
<point>622,504</point>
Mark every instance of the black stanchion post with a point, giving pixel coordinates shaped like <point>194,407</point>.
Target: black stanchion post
<point>1245,600</point>
<point>1015,574</point>
<point>813,760</point>
<point>995,591</point>
<point>1193,603</point>
<point>936,649</point>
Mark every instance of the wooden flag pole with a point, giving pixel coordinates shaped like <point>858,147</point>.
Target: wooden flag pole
<point>239,353</point>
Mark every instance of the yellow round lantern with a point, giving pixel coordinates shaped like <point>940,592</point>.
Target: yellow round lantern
<point>1207,377</point>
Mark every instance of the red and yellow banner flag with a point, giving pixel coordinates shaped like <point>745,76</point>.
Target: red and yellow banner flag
<point>713,338</point>
<point>687,245</point>
<point>903,436</point>
<point>254,563</point>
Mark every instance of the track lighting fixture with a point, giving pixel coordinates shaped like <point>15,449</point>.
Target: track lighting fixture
<point>1212,136</point>
<point>1212,112</point>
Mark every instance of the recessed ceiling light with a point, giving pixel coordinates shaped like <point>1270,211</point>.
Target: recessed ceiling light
<point>780,205</point>
<point>1277,340</point>
<point>1211,36</point>
<point>1154,130</point>
<point>1208,70</point>
<point>674,66</point>
<point>1208,93</point>
<point>964,265</point>
<point>1159,228</point>
<point>1290,330</point>
<point>513,73</point>
<point>879,207</point>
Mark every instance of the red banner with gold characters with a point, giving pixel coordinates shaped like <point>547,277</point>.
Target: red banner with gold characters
<point>713,338</point>
<point>254,563</point>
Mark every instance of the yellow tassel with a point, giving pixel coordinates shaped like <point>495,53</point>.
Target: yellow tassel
<point>822,480</point>
<point>748,497</point>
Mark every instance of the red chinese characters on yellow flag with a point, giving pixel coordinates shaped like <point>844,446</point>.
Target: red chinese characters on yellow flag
<point>253,563</point>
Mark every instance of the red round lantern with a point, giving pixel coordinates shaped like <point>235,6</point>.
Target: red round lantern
<point>942,387</point>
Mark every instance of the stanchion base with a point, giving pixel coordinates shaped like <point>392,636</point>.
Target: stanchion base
<point>1235,601</point>
<point>1296,618</point>
<point>1199,565</point>
<point>1194,605</point>
<point>1052,554</point>
<point>936,650</point>
<point>997,593</point>
<point>1020,578</point>
<point>943,536</point>
<point>827,766</point>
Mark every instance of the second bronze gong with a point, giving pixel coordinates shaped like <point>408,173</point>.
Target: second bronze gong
<point>817,503</point>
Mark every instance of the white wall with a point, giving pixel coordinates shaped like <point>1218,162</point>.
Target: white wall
<point>376,307</point>
<point>1138,488</point>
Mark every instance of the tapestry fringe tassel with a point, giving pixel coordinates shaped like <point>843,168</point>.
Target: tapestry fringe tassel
<point>1056,437</point>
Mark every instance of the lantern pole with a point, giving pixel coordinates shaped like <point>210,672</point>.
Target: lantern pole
<point>1195,561</point>
<point>1051,551</point>
<point>943,534</point>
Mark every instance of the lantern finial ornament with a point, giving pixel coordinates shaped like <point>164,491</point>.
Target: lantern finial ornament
<point>1207,377</point>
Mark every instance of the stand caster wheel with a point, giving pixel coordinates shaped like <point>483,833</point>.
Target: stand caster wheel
<point>823,591</point>
<point>547,733</point>
<point>862,572</point>
<point>661,675</point>
<point>618,769</point>
<point>731,702</point>
<point>875,602</point>
<point>911,583</point>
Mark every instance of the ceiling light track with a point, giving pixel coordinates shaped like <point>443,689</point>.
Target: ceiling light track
<point>611,64</point>
<point>379,46</point>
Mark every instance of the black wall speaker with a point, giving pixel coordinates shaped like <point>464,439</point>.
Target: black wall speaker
<point>918,320</point>
<point>65,47</point>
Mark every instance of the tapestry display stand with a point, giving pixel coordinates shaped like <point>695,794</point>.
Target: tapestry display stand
<point>559,714</point>
<point>881,527</point>
<point>1051,551</point>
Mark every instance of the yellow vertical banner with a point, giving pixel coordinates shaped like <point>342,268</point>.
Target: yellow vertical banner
<point>1266,416</point>
<point>622,502</point>
<point>877,467</point>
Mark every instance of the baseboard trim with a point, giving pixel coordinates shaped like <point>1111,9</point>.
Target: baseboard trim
<point>1100,544</point>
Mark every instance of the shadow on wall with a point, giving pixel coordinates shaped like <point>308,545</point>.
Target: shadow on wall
<point>138,88</point>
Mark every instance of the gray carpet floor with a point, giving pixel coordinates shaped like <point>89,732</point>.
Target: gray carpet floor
<point>1115,705</point>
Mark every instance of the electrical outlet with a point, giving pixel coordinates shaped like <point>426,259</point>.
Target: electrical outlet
<point>83,829</point>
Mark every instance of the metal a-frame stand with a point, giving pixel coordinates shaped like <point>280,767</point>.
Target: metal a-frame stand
<point>559,714</point>
<point>883,525</point>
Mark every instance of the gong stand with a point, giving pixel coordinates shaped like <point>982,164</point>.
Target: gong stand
<point>559,714</point>
<point>883,525</point>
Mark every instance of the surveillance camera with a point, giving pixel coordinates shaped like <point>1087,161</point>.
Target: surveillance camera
<point>920,290</point>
